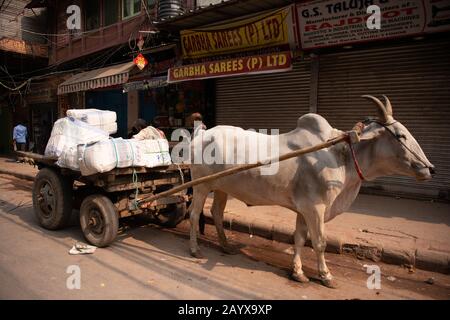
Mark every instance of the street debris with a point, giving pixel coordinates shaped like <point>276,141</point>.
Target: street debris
<point>409,267</point>
<point>430,281</point>
<point>289,250</point>
<point>80,248</point>
<point>20,205</point>
<point>391,278</point>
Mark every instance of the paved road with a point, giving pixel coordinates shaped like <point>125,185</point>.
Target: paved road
<point>147,262</point>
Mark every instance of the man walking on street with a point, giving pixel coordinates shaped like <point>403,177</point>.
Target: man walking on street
<point>20,134</point>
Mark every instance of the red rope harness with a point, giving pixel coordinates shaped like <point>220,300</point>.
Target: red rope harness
<point>359,127</point>
<point>355,161</point>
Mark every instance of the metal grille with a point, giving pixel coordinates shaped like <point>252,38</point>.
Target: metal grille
<point>272,101</point>
<point>416,78</point>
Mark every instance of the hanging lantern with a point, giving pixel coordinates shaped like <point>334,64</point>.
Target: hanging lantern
<point>140,61</point>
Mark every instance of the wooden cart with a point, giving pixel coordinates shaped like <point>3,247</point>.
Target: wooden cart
<point>104,198</point>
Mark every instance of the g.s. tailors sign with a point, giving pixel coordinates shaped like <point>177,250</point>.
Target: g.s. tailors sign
<point>337,22</point>
<point>266,63</point>
<point>270,29</point>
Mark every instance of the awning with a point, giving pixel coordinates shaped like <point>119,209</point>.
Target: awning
<point>98,78</point>
<point>37,4</point>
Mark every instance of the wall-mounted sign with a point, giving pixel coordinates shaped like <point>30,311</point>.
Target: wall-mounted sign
<point>152,83</point>
<point>23,47</point>
<point>270,29</point>
<point>438,15</point>
<point>268,63</point>
<point>41,95</point>
<point>337,22</point>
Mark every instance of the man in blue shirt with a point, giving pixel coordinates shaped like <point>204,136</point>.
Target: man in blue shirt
<point>20,134</point>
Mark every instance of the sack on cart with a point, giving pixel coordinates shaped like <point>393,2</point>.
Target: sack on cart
<point>67,134</point>
<point>104,156</point>
<point>102,119</point>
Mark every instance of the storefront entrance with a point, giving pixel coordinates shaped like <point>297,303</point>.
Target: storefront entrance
<point>113,100</point>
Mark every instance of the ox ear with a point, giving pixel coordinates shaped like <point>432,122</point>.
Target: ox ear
<point>384,112</point>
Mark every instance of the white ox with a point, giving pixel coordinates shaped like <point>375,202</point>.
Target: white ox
<point>317,186</point>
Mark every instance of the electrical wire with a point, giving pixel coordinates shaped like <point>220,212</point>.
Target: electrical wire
<point>34,78</point>
<point>112,54</point>
<point>146,11</point>
<point>6,7</point>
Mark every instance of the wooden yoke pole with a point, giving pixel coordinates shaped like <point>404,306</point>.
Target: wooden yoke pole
<point>351,136</point>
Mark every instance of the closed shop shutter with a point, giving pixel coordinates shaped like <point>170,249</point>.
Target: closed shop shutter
<point>416,78</point>
<point>270,101</point>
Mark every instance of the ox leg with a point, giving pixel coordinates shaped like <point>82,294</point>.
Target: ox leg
<point>217,209</point>
<point>301,232</point>
<point>196,207</point>
<point>316,226</point>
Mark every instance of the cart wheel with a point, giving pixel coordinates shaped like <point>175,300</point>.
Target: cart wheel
<point>52,199</point>
<point>171,216</point>
<point>99,220</point>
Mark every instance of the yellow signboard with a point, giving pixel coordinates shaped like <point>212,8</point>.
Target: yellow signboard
<point>270,29</point>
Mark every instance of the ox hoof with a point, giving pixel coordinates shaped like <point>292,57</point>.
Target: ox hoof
<point>197,254</point>
<point>330,283</point>
<point>300,277</point>
<point>230,250</point>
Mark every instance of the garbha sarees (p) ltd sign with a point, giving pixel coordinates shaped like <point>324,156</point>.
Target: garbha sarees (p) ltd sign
<point>265,63</point>
<point>270,29</point>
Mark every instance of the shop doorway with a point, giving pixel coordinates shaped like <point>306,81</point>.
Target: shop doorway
<point>43,116</point>
<point>113,100</point>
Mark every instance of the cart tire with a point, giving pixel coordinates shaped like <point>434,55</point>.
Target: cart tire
<point>172,215</point>
<point>99,220</point>
<point>52,199</point>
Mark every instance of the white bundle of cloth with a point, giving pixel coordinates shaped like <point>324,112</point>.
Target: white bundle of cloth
<point>149,133</point>
<point>104,156</point>
<point>67,134</point>
<point>101,119</point>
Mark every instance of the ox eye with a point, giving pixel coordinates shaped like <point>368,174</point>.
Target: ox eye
<point>400,136</point>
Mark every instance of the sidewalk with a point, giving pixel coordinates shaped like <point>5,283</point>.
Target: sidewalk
<point>396,231</point>
<point>20,170</point>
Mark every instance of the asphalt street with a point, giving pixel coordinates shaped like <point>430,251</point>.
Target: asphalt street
<point>148,262</point>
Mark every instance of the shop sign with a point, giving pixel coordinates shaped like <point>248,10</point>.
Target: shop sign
<point>145,84</point>
<point>338,22</point>
<point>437,15</point>
<point>23,47</point>
<point>267,63</point>
<point>271,29</point>
<point>43,95</point>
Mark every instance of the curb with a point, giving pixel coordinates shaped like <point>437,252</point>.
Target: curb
<point>419,258</point>
<point>17,175</point>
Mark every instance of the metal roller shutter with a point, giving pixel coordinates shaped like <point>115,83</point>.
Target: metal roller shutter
<point>271,101</point>
<point>416,78</point>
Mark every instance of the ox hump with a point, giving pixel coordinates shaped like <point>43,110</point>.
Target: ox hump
<point>316,125</point>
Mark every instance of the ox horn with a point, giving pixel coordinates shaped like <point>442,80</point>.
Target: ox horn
<point>388,106</point>
<point>381,108</point>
